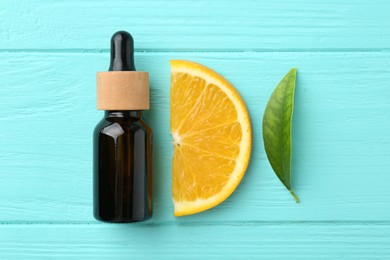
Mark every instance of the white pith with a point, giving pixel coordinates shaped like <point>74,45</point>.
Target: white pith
<point>176,139</point>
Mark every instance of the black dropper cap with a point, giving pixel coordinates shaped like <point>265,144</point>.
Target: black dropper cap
<point>122,52</point>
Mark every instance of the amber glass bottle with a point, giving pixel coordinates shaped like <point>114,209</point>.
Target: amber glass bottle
<point>122,140</point>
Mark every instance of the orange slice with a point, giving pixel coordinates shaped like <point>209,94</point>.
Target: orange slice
<point>212,137</point>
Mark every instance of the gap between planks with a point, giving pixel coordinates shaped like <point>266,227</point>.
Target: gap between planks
<point>304,50</point>
<point>211,223</point>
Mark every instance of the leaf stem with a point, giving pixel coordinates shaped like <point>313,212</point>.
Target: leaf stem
<point>295,196</point>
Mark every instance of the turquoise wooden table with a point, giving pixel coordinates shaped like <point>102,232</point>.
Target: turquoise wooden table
<point>50,51</point>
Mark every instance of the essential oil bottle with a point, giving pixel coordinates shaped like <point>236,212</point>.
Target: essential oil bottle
<point>122,141</point>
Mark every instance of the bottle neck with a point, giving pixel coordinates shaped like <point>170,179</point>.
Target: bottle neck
<point>125,114</point>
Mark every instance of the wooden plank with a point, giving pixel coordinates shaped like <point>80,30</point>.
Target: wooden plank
<point>341,144</point>
<point>197,25</point>
<point>214,241</point>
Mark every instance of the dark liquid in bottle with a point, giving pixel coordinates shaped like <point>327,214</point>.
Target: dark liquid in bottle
<point>122,168</point>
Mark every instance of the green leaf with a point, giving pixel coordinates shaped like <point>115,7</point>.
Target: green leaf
<point>277,126</point>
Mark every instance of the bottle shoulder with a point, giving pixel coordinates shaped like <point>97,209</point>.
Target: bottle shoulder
<point>145,126</point>
<point>115,128</point>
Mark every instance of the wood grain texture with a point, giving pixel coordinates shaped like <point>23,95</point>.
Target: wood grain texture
<point>49,53</point>
<point>226,241</point>
<point>197,25</point>
<point>340,136</point>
